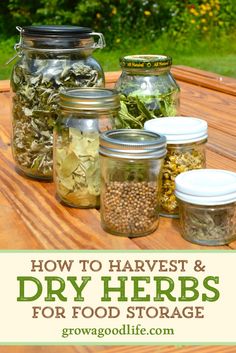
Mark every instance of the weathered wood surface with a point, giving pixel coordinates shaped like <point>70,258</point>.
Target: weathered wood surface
<point>119,349</point>
<point>31,217</point>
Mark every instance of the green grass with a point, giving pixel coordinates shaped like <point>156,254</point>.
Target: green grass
<point>217,55</point>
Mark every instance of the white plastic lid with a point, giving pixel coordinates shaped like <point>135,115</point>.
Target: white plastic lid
<point>206,187</point>
<point>178,129</point>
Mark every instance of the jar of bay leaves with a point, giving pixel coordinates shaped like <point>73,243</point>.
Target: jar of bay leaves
<point>207,206</point>
<point>147,90</point>
<point>84,114</point>
<point>131,164</point>
<point>186,141</point>
<point>51,58</point>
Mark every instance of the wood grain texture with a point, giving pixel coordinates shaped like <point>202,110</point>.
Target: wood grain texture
<point>34,219</point>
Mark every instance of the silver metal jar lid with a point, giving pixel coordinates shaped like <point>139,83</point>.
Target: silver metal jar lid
<point>90,99</point>
<point>132,143</point>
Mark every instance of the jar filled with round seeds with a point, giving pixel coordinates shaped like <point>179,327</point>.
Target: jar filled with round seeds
<point>84,114</point>
<point>186,140</point>
<point>131,164</point>
<point>51,59</point>
<point>147,90</point>
<point>207,206</point>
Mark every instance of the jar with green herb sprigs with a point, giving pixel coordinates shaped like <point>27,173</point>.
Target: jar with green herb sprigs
<point>51,59</point>
<point>84,114</point>
<point>186,140</point>
<point>131,164</point>
<point>147,90</point>
<point>207,206</point>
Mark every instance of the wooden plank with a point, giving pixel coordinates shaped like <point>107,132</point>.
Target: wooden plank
<point>117,349</point>
<point>4,85</point>
<point>202,78</point>
<point>169,349</point>
<point>219,109</point>
<point>50,349</point>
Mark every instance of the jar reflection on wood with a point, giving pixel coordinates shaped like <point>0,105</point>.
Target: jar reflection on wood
<point>186,139</point>
<point>131,164</point>
<point>51,58</point>
<point>84,114</point>
<point>207,206</point>
<point>147,90</point>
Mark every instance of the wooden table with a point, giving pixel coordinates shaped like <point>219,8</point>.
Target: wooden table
<point>31,217</point>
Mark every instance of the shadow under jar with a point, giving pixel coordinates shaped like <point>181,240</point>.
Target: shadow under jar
<point>84,114</point>
<point>131,163</point>
<point>51,59</point>
<point>207,206</point>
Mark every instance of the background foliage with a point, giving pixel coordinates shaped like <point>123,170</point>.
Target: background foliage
<point>198,33</point>
<point>121,19</point>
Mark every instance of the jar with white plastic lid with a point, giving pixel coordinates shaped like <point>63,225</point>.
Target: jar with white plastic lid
<point>186,139</point>
<point>207,206</point>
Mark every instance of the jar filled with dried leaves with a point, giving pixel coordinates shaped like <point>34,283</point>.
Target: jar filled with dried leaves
<point>147,90</point>
<point>186,140</point>
<point>131,163</point>
<point>51,58</point>
<point>84,114</point>
<point>207,206</point>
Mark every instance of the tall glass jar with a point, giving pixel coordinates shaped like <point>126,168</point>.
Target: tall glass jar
<point>147,90</point>
<point>131,165</point>
<point>51,58</point>
<point>84,114</point>
<point>186,141</point>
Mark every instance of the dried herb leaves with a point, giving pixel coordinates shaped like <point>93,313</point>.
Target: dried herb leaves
<point>138,107</point>
<point>177,161</point>
<point>77,167</point>
<point>208,225</point>
<point>36,82</point>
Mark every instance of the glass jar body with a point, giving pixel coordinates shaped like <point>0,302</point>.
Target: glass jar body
<point>36,81</point>
<point>208,225</point>
<point>145,95</point>
<point>180,158</point>
<point>76,157</point>
<point>130,193</point>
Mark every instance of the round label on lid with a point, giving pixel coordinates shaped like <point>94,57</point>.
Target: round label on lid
<point>206,186</point>
<point>179,129</point>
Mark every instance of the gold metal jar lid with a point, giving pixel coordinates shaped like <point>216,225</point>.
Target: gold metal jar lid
<point>132,143</point>
<point>90,99</point>
<point>145,61</point>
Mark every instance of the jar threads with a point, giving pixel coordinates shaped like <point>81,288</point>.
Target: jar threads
<point>84,114</point>
<point>186,139</point>
<point>131,163</point>
<point>51,58</point>
<point>147,90</point>
<point>207,205</point>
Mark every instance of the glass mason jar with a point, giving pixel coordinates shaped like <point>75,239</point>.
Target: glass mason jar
<point>207,206</point>
<point>186,140</point>
<point>51,58</point>
<point>131,164</point>
<point>84,114</point>
<point>147,90</point>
